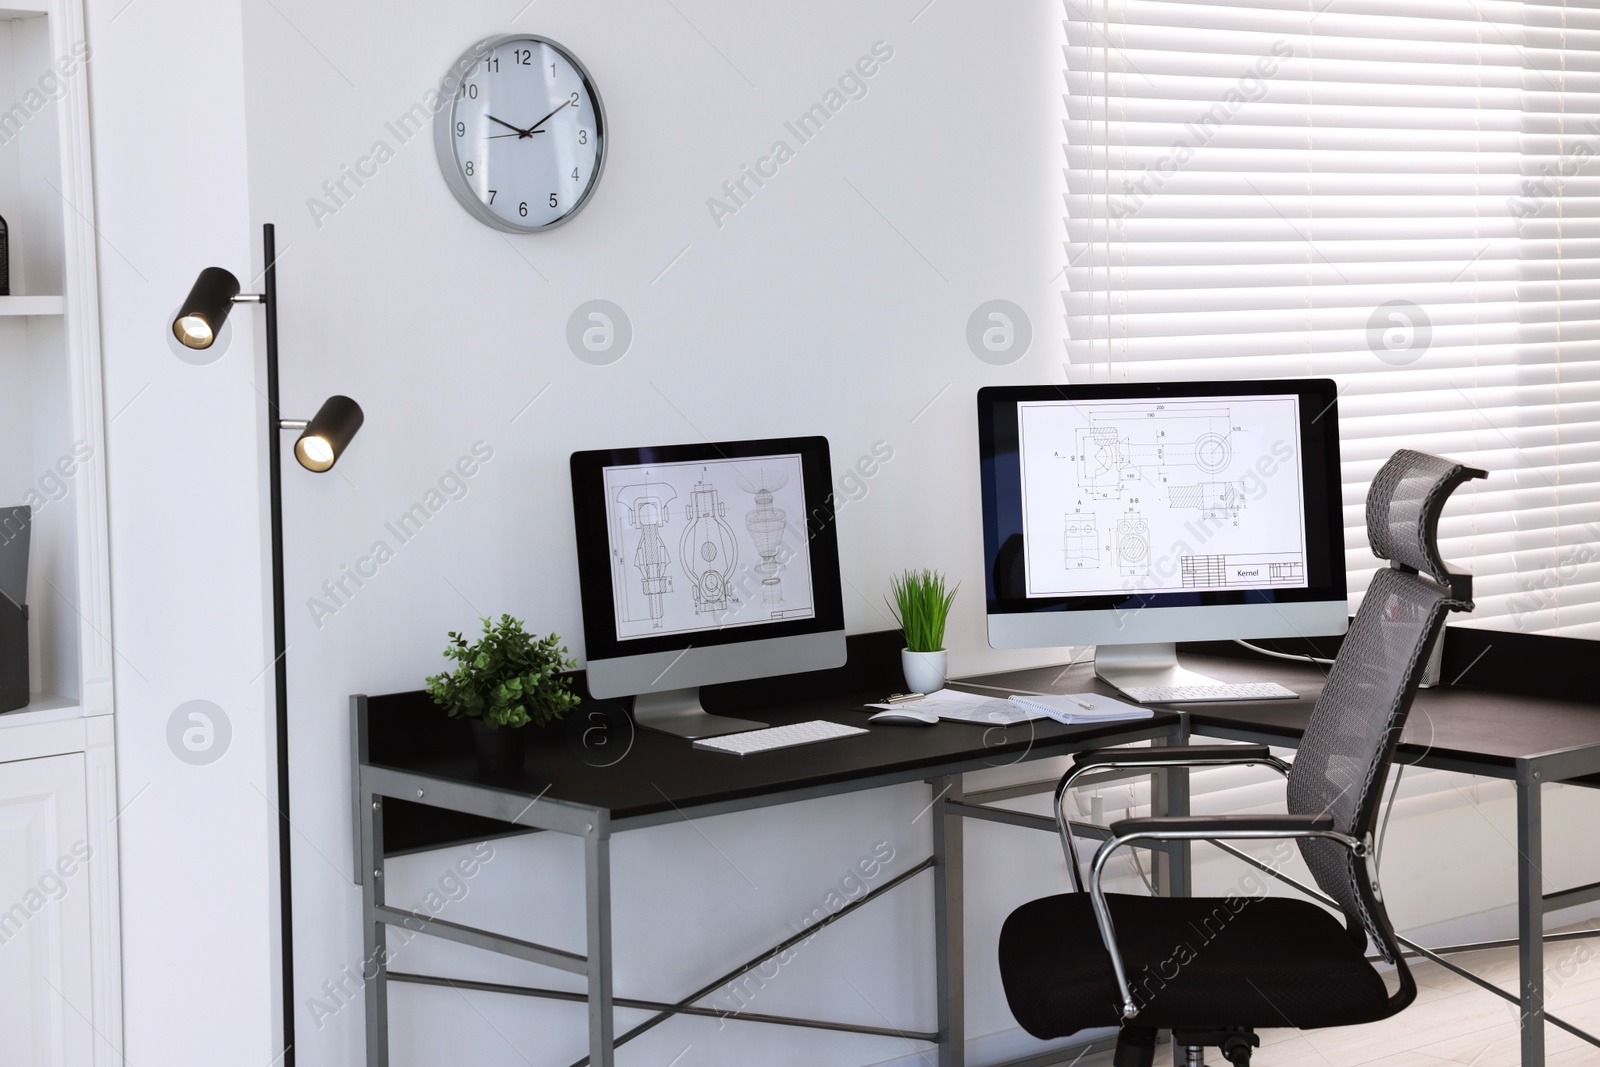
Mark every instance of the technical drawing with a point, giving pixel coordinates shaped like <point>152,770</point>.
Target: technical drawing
<point>708,549</point>
<point>1100,461</point>
<point>647,513</point>
<point>766,524</point>
<point>1133,545</point>
<point>1116,492</point>
<point>1217,500</point>
<point>1081,541</point>
<point>1212,452</point>
<point>1121,442</point>
<point>1236,569</point>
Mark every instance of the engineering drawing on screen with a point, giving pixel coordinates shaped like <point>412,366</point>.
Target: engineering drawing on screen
<point>725,572</point>
<point>708,550</point>
<point>765,522</point>
<point>1181,494</point>
<point>647,512</point>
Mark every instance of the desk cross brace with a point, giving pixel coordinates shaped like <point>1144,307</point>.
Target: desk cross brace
<point>653,1005</point>
<point>1432,954</point>
<point>682,1007</point>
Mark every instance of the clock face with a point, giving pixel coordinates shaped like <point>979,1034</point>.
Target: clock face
<point>522,142</point>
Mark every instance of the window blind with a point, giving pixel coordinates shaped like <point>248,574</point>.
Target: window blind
<point>1402,195</point>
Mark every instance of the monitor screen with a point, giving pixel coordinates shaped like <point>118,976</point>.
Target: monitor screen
<point>707,544</point>
<point>1161,496</point>
<point>1218,500</point>
<point>706,562</point>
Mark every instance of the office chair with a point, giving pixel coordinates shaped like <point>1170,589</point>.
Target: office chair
<point>1213,970</point>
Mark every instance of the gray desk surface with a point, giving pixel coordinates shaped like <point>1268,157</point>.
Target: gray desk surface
<point>1449,725</point>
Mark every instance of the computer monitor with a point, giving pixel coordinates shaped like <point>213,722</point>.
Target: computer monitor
<point>1134,516</point>
<point>705,563</point>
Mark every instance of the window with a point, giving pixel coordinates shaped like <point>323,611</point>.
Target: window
<point>1402,195</point>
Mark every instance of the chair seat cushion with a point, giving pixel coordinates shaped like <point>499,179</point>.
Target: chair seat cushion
<point>1192,963</point>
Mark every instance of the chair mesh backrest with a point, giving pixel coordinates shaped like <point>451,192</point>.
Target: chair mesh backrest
<point>1403,508</point>
<point>1349,743</point>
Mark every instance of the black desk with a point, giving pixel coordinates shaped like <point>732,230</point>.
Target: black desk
<point>418,787</point>
<point>1531,741</point>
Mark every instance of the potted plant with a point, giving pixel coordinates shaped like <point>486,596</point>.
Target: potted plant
<point>922,607</point>
<point>505,681</point>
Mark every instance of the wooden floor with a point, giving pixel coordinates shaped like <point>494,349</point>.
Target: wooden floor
<point>1452,1024</point>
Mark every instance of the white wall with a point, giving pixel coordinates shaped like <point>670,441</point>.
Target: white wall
<point>185,470</point>
<point>806,312</point>
<point>836,302</point>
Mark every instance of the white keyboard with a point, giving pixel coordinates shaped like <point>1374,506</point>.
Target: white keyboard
<point>1194,694</point>
<point>800,733</point>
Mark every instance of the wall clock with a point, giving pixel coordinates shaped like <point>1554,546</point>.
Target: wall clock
<point>522,142</point>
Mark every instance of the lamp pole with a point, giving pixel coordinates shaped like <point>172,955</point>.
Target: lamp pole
<point>280,641</point>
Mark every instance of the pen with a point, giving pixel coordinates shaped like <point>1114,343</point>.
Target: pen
<point>905,698</point>
<point>1084,704</point>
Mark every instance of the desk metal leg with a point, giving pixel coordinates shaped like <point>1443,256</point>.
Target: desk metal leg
<point>1530,910</point>
<point>597,880</point>
<point>949,918</point>
<point>374,934</point>
<point>1169,795</point>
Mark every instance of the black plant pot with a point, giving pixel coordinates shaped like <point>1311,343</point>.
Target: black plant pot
<point>501,750</point>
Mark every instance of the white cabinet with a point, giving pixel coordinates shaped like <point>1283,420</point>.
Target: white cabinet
<point>46,972</point>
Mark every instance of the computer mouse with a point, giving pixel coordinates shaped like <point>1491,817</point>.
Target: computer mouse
<point>905,717</point>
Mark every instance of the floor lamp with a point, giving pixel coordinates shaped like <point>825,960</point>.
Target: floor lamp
<point>322,440</point>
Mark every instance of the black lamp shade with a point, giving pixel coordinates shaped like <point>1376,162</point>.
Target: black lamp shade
<point>328,434</point>
<point>206,308</point>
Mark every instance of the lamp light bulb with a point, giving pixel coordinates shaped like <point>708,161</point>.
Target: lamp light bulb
<point>195,332</point>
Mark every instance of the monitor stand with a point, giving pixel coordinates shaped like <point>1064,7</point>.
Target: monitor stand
<point>1144,665</point>
<point>678,712</point>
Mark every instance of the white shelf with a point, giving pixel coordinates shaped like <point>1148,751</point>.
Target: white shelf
<point>49,726</point>
<point>22,11</point>
<point>31,305</point>
<point>44,707</point>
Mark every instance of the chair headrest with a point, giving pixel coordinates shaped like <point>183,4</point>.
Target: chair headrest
<point>1403,509</point>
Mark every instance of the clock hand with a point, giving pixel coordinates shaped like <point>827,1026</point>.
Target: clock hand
<point>535,127</point>
<point>520,132</point>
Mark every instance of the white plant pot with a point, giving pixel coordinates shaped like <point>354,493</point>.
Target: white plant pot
<point>924,671</point>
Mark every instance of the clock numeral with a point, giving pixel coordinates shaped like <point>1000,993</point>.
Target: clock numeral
<point>461,129</point>
<point>492,64</point>
<point>583,136</point>
<point>491,195</point>
<point>573,100</point>
<point>552,199</point>
<point>523,56</point>
<point>522,209</point>
<point>574,173</point>
<point>469,168</point>
<point>471,91</point>
<point>552,70</point>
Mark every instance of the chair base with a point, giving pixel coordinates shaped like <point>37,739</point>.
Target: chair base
<point>1136,1047</point>
<point>1235,1043</point>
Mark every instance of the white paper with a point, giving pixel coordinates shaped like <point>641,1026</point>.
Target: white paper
<point>953,706</point>
<point>1181,495</point>
<point>1100,709</point>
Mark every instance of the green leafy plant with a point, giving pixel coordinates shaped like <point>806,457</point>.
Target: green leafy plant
<point>506,678</point>
<point>921,606</point>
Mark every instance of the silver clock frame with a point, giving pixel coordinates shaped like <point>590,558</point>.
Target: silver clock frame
<point>444,119</point>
